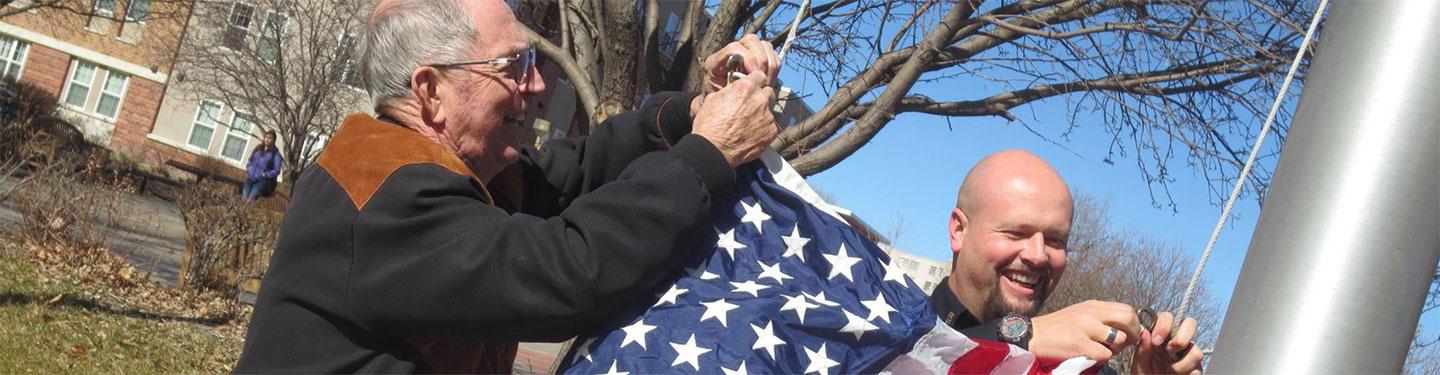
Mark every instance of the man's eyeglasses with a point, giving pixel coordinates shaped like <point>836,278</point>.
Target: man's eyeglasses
<point>519,64</point>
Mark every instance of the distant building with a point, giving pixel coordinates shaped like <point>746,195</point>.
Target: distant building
<point>191,127</point>
<point>108,70</point>
<point>927,273</point>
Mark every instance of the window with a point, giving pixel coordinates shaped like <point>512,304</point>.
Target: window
<point>349,68</point>
<point>110,94</point>
<point>137,11</point>
<point>928,286</point>
<point>105,8</point>
<point>79,88</point>
<point>84,77</point>
<point>238,26</point>
<point>314,143</point>
<point>669,41</point>
<point>237,140</point>
<point>270,32</point>
<point>204,127</point>
<point>12,58</point>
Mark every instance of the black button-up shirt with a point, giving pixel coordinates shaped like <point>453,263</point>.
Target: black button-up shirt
<point>954,314</point>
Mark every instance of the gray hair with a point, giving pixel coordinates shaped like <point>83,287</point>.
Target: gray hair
<point>410,34</point>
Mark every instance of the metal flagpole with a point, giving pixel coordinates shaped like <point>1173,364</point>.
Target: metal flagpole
<point>1348,241</point>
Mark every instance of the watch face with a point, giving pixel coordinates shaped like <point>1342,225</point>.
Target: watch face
<point>1013,327</point>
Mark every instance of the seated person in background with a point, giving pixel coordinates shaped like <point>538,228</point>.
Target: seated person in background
<point>263,169</point>
<point>1008,233</point>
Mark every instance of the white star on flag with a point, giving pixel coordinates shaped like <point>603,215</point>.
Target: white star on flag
<point>766,339</point>
<point>878,308</point>
<point>754,215</point>
<point>794,244</point>
<point>893,272</point>
<point>717,310</point>
<point>636,333</point>
<point>749,286</point>
<point>820,299</point>
<point>841,263</point>
<point>737,371</point>
<point>700,273</point>
<point>856,325</point>
<point>820,361</point>
<point>797,304</point>
<point>688,353</point>
<point>773,272</point>
<point>727,242</point>
<point>671,295</point>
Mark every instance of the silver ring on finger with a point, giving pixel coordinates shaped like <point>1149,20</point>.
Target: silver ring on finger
<point>1110,339</point>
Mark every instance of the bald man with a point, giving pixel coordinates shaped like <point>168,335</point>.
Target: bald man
<point>1008,236</point>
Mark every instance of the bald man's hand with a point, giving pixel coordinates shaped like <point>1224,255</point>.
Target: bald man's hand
<point>737,119</point>
<point>1178,355</point>
<point>1081,330</point>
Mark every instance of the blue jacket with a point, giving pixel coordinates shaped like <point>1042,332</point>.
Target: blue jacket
<point>264,164</point>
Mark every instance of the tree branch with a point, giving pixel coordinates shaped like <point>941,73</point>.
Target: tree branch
<point>584,88</point>
<point>880,113</point>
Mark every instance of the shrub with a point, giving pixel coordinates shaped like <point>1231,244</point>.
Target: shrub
<point>230,240</point>
<point>29,130</point>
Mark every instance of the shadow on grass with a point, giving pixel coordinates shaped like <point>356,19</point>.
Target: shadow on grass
<point>17,299</point>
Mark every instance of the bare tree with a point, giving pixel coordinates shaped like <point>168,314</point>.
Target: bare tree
<point>151,9</point>
<point>1423,357</point>
<point>285,64</point>
<point>1129,267</point>
<point>1172,81</point>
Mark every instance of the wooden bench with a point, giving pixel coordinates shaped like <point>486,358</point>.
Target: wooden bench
<point>201,174</point>
<point>143,178</point>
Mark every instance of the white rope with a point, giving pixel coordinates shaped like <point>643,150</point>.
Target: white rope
<point>794,25</point>
<point>1245,171</point>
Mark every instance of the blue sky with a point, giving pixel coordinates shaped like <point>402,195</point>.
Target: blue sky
<point>910,172</point>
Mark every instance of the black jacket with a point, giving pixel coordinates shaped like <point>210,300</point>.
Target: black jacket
<point>392,257</point>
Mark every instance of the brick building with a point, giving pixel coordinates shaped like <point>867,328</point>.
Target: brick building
<point>108,69</point>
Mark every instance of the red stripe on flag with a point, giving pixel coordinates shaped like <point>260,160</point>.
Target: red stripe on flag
<point>981,360</point>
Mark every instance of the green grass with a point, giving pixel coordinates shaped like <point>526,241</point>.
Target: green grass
<point>73,334</point>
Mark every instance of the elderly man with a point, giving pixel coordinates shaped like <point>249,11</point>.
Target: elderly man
<point>394,255</point>
<point>1008,233</point>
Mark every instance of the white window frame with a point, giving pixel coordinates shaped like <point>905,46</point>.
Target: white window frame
<point>119,98</point>
<point>94,91</point>
<point>214,127</point>
<point>230,24</point>
<point>129,11</point>
<point>264,36</point>
<point>9,60</point>
<point>244,135</point>
<point>70,84</point>
<point>106,13</point>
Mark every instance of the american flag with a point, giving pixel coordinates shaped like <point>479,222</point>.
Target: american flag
<point>787,287</point>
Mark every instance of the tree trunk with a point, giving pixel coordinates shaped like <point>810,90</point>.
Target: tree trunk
<point>620,52</point>
<point>723,26</point>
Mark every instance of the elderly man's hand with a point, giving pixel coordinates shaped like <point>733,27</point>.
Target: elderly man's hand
<point>737,119</point>
<point>1179,356</point>
<point>1082,329</point>
<point>756,56</point>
